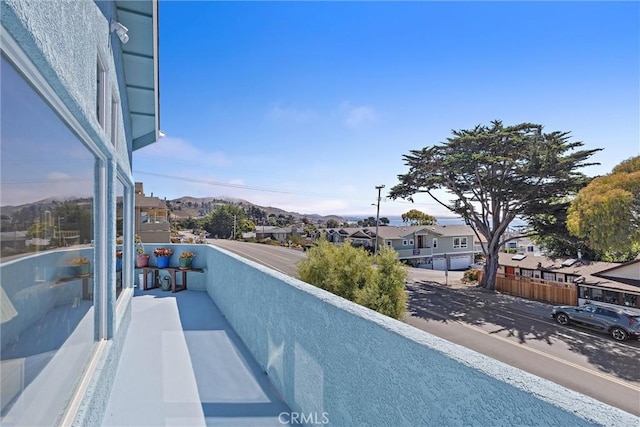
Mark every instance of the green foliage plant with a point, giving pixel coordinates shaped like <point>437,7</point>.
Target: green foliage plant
<point>493,174</point>
<point>606,213</point>
<point>350,272</point>
<point>471,275</point>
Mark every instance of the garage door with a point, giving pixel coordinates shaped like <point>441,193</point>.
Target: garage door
<point>439,264</point>
<point>460,262</point>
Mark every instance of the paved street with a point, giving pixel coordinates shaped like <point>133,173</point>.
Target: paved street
<point>513,330</point>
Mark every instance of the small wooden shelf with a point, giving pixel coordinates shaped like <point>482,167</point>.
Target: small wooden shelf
<point>172,272</point>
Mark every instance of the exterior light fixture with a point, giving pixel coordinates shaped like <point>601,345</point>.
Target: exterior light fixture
<point>121,31</point>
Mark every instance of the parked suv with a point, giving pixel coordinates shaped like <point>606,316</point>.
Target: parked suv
<point>619,323</point>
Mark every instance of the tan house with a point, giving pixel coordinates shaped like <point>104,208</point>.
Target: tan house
<point>604,283</point>
<point>151,217</point>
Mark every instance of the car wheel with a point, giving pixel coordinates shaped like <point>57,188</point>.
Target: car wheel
<point>562,318</point>
<point>619,334</point>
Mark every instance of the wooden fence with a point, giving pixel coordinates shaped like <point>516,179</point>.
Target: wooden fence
<point>537,289</point>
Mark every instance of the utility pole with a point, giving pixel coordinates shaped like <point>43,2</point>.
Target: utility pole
<point>379,188</point>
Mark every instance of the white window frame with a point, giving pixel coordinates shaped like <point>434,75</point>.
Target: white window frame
<point>389,243</point>
<point>101,92</point>
<point>549,275</point>
<point>410,242</point>
<point>115,122</point>
<point>435,242</point>
<point>462,243</point>
<point>32,74</point>
<point>405,242</point>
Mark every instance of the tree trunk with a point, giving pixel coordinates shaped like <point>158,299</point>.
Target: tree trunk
<point>490,269</point>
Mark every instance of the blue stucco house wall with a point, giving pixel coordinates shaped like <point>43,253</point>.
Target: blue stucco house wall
<point>106,92</point>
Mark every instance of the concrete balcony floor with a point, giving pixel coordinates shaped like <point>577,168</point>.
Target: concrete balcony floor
<point>183,365</point>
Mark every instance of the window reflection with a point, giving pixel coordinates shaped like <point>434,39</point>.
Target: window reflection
<point>46,255</point>
<point>120,238</point>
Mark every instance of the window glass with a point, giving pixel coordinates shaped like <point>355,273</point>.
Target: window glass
<point>630,300</point>
<point>46,258</point>
<point>120,238</point>
<point>526,273</point>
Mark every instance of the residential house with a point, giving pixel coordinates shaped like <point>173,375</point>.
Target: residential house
<point>243,344</point>
<point>281,234</point>
<point>601,282</point>
<point>521,244</point>
<point>13,240</point>
<point>152,217</point>
<point>439,247</point>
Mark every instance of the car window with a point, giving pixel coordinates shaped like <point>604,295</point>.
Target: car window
<point>608,313</point>
<point>589,308</point>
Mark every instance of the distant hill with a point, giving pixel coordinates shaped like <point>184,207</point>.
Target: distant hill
<point>196,207</point>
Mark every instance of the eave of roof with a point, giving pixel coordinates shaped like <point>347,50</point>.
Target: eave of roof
<point>141,69</point>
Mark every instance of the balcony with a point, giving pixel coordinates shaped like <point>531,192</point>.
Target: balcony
<point>414,253</point>
<point>246,345</point>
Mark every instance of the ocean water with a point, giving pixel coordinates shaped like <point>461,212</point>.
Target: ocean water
<point>448,220</point>
<point>443,220</point>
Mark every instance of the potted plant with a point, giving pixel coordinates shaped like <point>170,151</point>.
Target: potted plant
<point>163,255</point>
<point>81,266</point>
<point>185,260</point>
<point>142,259</point>
<point>118,260</point>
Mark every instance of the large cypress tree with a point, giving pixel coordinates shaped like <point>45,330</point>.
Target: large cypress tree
<point>495,173</point>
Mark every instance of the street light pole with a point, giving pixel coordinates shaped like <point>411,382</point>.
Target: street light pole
<point>379,188</point>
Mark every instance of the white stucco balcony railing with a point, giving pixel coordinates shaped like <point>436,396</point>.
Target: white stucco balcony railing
<point>246,345</point>
<point>155,226</point>
<point>414,253</point>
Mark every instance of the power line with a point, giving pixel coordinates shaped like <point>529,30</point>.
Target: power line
<point>272,190</point>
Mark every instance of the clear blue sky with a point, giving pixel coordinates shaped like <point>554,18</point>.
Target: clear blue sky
<point>309,106</point>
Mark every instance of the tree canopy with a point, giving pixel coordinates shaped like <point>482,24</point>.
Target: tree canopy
<point>349,272</point>
<point>415,217</point>
<point>495,173</point>
<point>226,220</point>
<point>606,213</point>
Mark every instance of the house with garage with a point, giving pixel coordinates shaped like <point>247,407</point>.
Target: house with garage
<point>438,247</point>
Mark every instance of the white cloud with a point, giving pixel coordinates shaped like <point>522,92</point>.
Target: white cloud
<point>357,115</point>
<point>178,150</point>
<point>277,113</point>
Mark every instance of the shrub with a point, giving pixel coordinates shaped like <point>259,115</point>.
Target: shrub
<point>349,272</point>
<point>471,276</point>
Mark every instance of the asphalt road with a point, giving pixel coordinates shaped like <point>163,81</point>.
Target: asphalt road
<point>515,331</point>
